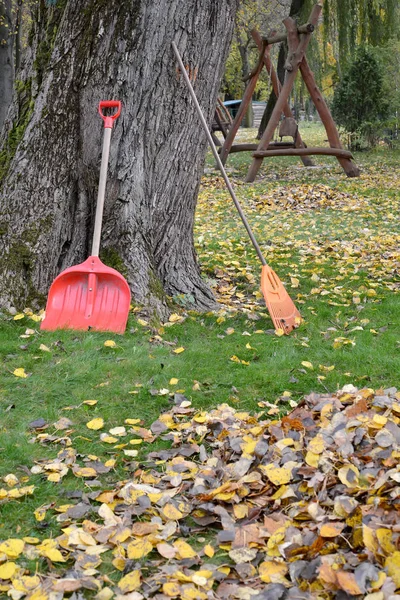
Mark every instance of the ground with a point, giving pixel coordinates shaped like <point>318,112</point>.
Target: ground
<point>88,420</point>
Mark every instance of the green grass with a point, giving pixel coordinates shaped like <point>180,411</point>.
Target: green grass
<point>345,263</point>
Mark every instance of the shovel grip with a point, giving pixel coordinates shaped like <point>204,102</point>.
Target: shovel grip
<point>109,120</point>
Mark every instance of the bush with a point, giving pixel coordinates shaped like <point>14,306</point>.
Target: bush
<point>359,104</point>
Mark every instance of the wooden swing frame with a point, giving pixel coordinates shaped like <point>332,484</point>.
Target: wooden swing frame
<point>298,38</point>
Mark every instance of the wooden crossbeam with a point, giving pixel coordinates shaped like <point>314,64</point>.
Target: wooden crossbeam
<point>282,37</point>
<point>338,152</point>
<point>253,147</point>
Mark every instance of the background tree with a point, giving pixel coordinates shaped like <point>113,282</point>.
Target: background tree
<point>6,58</point>
<point>359,104</point>
<point>80,53</point>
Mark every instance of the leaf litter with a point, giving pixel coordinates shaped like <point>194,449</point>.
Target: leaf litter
<point>239,506</point>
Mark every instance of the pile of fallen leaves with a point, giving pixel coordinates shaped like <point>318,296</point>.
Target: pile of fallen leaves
<point>309,197</point>
<point>240,506</point>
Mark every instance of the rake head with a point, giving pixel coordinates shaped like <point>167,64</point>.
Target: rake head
<point>281,307</point>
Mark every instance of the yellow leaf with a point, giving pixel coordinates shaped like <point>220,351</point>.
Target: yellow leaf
<point>171,589</point>
<point>184,549</point>
<point>11,480</point>
<point>273,572</point>
<point>118,431</point>
<point>169,511</point>
<point>20,372</point>
<point>131,453</point>
<point>312,459</point>
<point>33,540</point>
<point>52,553</point>
<point>173,381</point>
<point>369,539</point>
<point>385,540</point>
<point>348,583</point>
<point>277,475</point>
<point>90,402</point>
<point>142,322</point>
<point>7,570</point>
<point>392,565</point>
<point>139,548</point>
<point>349,476</point>
<point>40,513</point>
<point>19,316</point>
<point>26,583</point>
<point>44,348</point>
<point>209,551</point>
<point>179,350</point>
<point>330,530</point>
<point>130,582</point>
<point>308,365</point>
<point>110,344</point>
<point>95,424</point>
<point>174,318</point>
<point>12,547</point>
<point>84,472</point>
<point>132,421</point>
<point>104,594</point>
<point>279,332</point>
<point>316,445</point>
<point>295,282</point>
<point>108,439</point>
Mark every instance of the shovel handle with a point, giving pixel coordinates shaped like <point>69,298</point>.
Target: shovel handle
<point>109,120</point>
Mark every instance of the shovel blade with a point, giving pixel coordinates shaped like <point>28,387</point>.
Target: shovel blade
<point>88,296</point>
<point>284,313</point>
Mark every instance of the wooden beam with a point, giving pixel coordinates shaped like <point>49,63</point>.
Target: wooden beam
<point>282,37</point>
<point>247,98</point>
<point>349,167</point>
<point>338,152</point>
<point>253,147</point>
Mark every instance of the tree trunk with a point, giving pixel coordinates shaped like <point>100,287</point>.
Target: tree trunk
<point>108,50</point>
<point>6,59</point>
<point>244,57</point>
<point>280,71</point>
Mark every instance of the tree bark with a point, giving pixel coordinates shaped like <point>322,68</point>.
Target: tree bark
<point>6,59</point>
<point>108,50</point>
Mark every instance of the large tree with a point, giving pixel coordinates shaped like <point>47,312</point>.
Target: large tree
<point>82,52</point>
<point>6,58</point>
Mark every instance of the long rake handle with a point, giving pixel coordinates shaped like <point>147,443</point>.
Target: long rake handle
<point>217,158</point>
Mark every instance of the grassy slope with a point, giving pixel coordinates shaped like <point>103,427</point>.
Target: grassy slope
<point>340,259</point>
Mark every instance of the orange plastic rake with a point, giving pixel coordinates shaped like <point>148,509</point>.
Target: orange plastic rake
<point>91,295</point>
<point>282,310</point>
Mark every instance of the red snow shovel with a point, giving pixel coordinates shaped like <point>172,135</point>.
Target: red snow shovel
<point>91,295</point>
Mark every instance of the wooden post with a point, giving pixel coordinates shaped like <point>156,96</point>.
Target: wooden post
<point>298,142</point>
<point>348,165</point>
<point>247,97</point>
<point>282,100</point>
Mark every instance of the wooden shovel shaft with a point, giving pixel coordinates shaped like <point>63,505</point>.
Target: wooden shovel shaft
<point>101,192</point>
<point>216,156</point>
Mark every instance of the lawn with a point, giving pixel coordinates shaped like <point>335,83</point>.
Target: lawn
<point>335,243</point>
